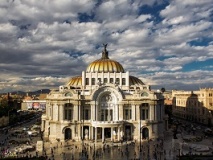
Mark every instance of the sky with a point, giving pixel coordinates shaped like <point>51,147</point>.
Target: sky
<point>165,43</point>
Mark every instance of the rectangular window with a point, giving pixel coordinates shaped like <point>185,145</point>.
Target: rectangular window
<point>127,114</point>
<point>117,81</point>
<point>99,80</point>
<point>123,81</point>
<point>105,80</point>
<point>87,81</point>
<point>111,80</point>
<point>93,81</point>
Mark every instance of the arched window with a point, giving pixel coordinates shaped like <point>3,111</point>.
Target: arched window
<point>144,94</point>
<point>68,94</point>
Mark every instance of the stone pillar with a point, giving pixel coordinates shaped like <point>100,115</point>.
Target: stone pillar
<point>117,115</point>
<point>79,131</point>
<point>102,134</point>
<point>92,112</point>
<point>79,112</point>
<point>61,109</point>
<point>137,112</point>
<point>111,133</point>
<point>42,125</point>
<point>92,130</point>
<point>75,112</point>
<point>121,112</point>
<point>133,113</point>
<point>118,133</point>
<point>151,112</point>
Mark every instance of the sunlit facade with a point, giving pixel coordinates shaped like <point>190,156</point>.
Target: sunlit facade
<point>105,103</point>
<point>196,106</point>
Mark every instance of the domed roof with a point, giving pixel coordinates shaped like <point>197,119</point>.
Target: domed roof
<point>75,81</point>
<point>105,64</point>
<point>135,81</point>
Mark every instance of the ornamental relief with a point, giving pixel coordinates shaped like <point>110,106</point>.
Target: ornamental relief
<point>106,98</point>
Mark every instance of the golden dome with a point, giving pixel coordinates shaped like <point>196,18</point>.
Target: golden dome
<point>75,81</point>
<point>135,81</point>
<point>105,64</point>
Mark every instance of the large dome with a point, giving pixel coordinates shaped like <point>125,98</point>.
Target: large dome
<point>105,64</point>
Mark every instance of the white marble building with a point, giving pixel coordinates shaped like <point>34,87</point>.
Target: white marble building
<point>104,103</point>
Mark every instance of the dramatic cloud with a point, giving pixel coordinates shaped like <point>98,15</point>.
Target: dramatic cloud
<point>165,43</point>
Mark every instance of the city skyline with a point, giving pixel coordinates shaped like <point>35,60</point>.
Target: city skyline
<point>164,43</point>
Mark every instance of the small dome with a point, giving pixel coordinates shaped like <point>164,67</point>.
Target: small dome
<point>105,64</point>
<point>75,81</point>
<point>135,81</point>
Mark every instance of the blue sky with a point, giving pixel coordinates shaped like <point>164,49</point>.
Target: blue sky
<point>167,44</point>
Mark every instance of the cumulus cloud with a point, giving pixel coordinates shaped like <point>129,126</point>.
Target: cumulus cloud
<point>44,43</point>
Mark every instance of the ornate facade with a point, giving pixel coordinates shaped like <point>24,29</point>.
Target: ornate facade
<point>105,103</point>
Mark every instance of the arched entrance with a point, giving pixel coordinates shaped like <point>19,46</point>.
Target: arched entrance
<point>145,133</point>
<point>67,134</point>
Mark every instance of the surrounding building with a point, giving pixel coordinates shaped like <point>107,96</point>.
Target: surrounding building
<point>34,103</point>
<point>195,106</point>
<point>104,103</point>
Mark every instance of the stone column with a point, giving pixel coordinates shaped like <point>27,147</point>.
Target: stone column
<point>92,130</point>
<point>102,134</point>
<point>117,115</point>
<point>54,112</point>
<point>76,112</point>
<point>92,112</point>
<point>118,133</point>
<point>121,112</point>
<point>137,112</point>
<point>111,133</point>
<point>95,134</point>
<point>61,109</point>
<point>151,112</point>
<point>79,112</point>
<point>42,125</point>
<point>133,113</point>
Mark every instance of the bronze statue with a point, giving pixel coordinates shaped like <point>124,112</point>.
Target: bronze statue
<point>105,45</point>
<point>104,52</point>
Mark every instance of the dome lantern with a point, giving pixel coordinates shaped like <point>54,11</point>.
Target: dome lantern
<point>105,64</point>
